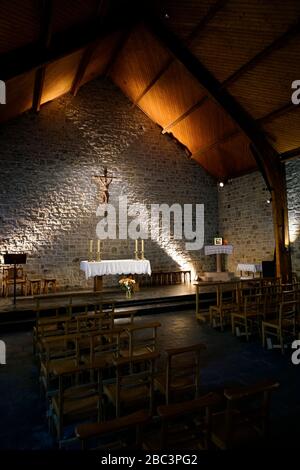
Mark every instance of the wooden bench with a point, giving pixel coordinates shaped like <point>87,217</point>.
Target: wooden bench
<point>108,430</point>
<point>184,425</point>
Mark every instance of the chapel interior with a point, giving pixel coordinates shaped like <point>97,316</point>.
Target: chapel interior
<point>115,332</point>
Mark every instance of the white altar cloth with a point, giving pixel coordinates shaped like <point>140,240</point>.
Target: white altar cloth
<point>117,266</point>
<point>249,267</point>
<point>218,249</point>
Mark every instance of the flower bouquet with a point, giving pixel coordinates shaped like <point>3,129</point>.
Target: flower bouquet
<point>127,284</point>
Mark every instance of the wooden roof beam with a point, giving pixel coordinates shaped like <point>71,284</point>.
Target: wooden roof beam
<point>87,54</point>
<point>278,43</point>
<point>213,10</point>
<point>263,120</point>
<point>45,40</point>
<point>225,138</point>
<point>31,57</point>
<point>290,154</point>
<point>266,156</point>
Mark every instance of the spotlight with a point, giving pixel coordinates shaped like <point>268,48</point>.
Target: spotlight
<point>167,16</point>
<point>221,184</point>
<point>269,200</point>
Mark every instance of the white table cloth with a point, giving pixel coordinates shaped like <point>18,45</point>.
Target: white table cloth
<point>117,266</point>
<point>218,249</point>
<point>249,267</point>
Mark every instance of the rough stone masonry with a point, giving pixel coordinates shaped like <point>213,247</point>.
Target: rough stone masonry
<point>48,201</point>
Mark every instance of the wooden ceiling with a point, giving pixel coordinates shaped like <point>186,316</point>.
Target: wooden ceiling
<point>250,49</point>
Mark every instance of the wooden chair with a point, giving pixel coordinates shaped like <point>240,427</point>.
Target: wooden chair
<point>182,372</point>
<point>246,417</point>
<point>284,324</point>
<point>184,425</point>
<point>133,382</point>
<point>35,286</point>
<point>8,280</point>
<point>227,302</point>
<point>142,338</point>
<point>63,353</point>
<point>73,403</point>
<point>49,283</point>
<point>114,434</point>
<point>244,321</point>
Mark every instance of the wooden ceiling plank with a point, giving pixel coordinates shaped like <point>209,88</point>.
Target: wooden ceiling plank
<point>117,50</point>
<point>277,113</point>
<point>44,44</point>
<point>213,10</point>
<point>83,64</point>
<point>228,136</point>
<point>87,55</point>
<point>276,44</point>
<point>185,114</point>
<point>31,57</point>
<point>268,117</point>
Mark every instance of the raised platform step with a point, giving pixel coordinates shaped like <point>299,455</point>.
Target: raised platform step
<point>218,276</point>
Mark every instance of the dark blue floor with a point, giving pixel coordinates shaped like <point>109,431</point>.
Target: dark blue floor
<point>227,361</point>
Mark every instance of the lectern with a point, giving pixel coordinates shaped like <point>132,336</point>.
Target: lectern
<point>15,258</point>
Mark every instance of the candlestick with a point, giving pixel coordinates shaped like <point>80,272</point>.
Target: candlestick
<point>98,250</point>
<point>142,249</point>
<point>91,243</point>
<point>136,251</point>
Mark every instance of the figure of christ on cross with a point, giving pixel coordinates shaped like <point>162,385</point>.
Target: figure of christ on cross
<point>103,182</point>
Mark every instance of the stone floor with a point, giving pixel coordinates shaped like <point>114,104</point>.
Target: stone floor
<point>227,361</point>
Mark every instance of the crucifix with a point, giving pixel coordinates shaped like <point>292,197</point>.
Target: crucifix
<point>103,182</point>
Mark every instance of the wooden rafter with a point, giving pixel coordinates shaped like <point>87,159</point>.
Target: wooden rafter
<point>290,154</point>
<point>87,54</point>
<point>213,10</point>
<point>286,108</point>
<point>185,114</point>
<point>276,44</point>
<point>45,40</point>
<point>263,120</point>
<point>117,49</point>
<point>265,154</point>
<point>225,138</point>
<point>29,58</point>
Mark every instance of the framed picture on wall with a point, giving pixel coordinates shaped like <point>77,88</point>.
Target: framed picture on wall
<point>218,241</point>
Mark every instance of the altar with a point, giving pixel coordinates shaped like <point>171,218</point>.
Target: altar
<point>218,250</point>
<point>98,269</point>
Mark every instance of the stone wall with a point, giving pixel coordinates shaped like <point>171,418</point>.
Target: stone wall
<point>245,220</point>
<point>48,201</point>
<point>293,191</point>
